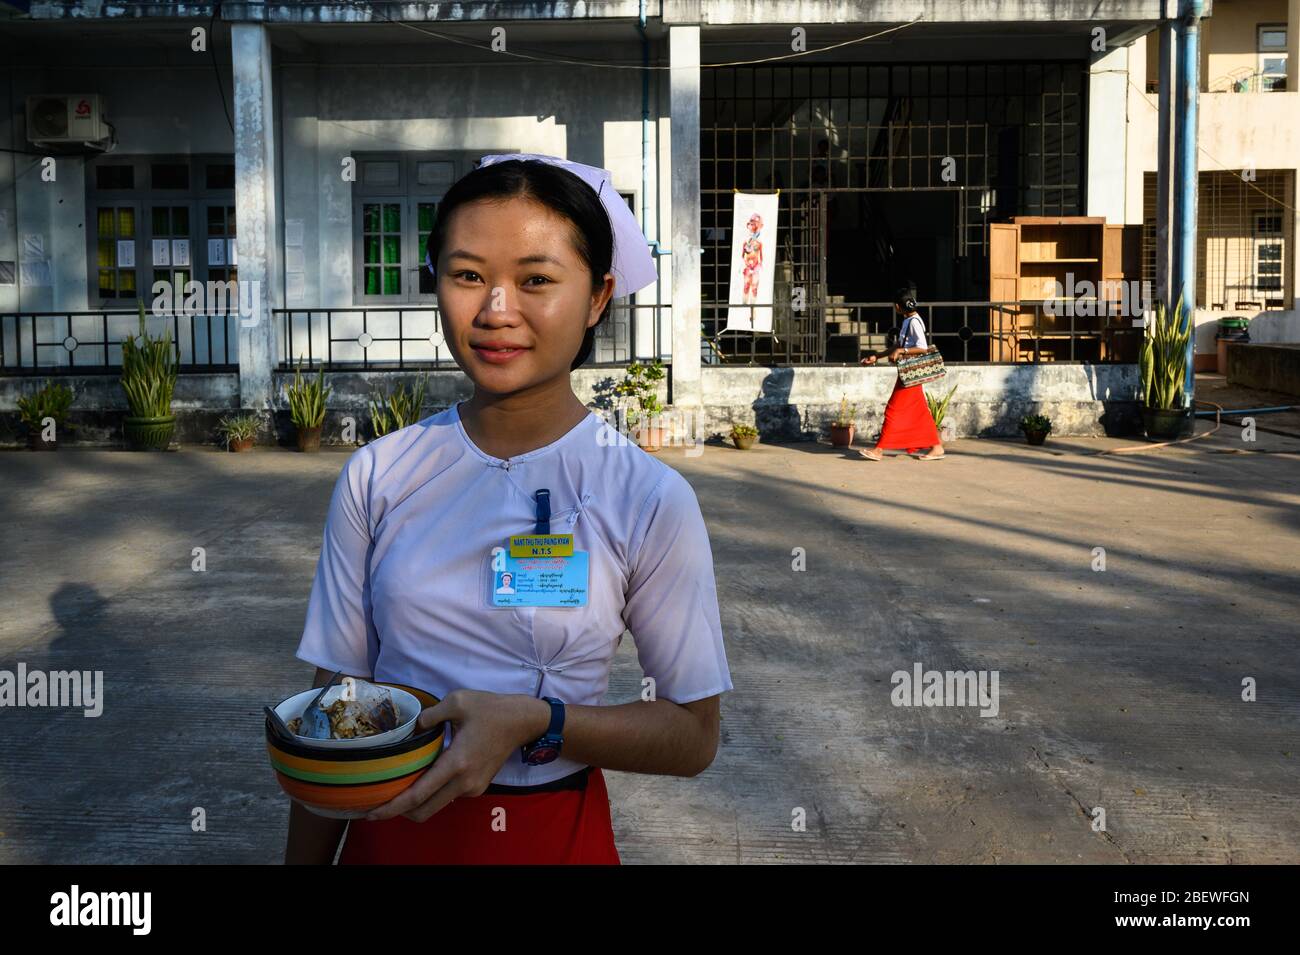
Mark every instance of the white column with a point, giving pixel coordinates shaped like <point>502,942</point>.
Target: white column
<point>1293,91</point>
<point>1293,45</point>
<point>1107,133</point>
<point>255,212</point>
<point>684,112</point>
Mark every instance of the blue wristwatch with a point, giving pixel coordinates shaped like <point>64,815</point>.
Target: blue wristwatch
<point>546,748</point>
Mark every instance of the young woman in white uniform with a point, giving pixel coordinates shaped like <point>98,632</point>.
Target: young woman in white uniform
<point>407,591</point>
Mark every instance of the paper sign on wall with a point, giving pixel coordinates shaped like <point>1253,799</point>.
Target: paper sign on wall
<point>292,232</point>
<point>230,249</point>
<point>753,248</point>
<point>162,252</point>
<point>216,251</point>
<point>181,253</point>
<point>34,274</point>
<point>126,253</point>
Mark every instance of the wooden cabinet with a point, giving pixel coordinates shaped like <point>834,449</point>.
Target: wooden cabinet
<point>1057,278</point>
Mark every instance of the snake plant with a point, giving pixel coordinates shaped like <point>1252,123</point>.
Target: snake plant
<point>395,410</point>
<point>1163,357</point>
<point>307,399</point>
<point>148,372</point>
<point>939,406</point>
<point>52,401</point>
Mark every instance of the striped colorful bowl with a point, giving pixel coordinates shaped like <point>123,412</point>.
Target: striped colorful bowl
<point>348,783</point>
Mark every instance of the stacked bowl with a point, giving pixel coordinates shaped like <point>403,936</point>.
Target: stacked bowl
<point>346,778</point>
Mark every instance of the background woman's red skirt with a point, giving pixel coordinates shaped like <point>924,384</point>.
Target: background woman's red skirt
<point>908,422</point>
<point>568,827</point>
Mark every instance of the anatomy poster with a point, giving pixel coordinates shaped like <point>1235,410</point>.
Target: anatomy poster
<point>753,251</point>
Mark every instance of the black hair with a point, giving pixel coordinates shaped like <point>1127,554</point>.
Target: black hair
<point>559,190</point>
<point>905,297</point>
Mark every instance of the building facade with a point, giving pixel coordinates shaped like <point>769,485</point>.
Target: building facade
<point>298,152</point>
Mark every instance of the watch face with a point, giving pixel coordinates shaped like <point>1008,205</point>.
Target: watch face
<point>542,754</point>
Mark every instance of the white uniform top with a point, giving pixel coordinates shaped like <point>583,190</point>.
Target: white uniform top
<point>912,334</point>
<point>402,595</point>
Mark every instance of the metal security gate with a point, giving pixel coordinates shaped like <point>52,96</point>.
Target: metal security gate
<point>873,161</point>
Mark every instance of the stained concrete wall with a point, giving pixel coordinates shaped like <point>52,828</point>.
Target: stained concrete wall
<point>1265,367</point>
<point>785,403</point>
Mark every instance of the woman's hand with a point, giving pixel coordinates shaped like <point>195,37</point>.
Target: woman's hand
<point>897,353</point>
<point>870,359</point>
<point>490,728</point>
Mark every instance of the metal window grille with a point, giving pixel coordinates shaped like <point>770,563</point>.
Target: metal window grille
<point>1006,139</point>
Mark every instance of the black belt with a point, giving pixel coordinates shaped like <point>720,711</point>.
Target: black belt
<point>574,781</point>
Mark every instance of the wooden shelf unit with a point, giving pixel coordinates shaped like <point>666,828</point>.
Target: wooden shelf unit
<point>1035,259</point>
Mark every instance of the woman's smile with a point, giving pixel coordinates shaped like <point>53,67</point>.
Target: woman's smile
<point>496,353</point>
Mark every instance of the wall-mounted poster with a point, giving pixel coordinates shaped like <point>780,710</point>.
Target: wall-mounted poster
<point>216,251</point>
<point>162,252</point>
<point>753,249</point>
<point>181,253</point>
<point>126,253</point>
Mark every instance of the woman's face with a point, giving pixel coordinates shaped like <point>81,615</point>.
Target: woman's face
<point>516,298</point>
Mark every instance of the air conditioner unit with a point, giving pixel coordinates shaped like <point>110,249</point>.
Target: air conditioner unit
<point>66,118</point>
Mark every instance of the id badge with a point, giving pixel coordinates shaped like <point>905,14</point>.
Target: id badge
<point>539,581</point>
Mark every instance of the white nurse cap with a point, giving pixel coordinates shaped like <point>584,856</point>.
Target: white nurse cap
<point>633,265</point>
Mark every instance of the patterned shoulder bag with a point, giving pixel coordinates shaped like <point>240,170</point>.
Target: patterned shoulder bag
<point>920,369</point>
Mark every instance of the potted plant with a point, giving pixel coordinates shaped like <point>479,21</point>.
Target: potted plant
<point>938,411</point>
<point>52,401</point>
<point>307,407</point>
<point>1162,362</point>
<point>239,431</point>
<point>743,436</point>
<point>148,378</point>
<point>1036,427</point>
<point>398,408</point>
<point>842,426</point>
<point>639,394</point>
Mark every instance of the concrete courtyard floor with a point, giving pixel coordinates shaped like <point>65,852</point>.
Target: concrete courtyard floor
<point>1119,689</point>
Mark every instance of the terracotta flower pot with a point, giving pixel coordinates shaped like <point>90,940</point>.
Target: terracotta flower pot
<point>149,434</point>
<point>1035,437</point>
<point>744,441</point>
<point>309,439</point>
<point>36,444</point>
<point>649,439</point>
<point>242,444</point>
<point>841,435</point>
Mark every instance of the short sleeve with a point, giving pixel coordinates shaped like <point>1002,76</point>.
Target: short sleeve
<point>672,599</point>
<point>918,333</point>
<point>339,633</point>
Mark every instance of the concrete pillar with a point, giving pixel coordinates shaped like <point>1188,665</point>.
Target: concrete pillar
<point>255,212</point>
<point>1107,133</point>
<point>1293,45</point>
<point>684,112</point>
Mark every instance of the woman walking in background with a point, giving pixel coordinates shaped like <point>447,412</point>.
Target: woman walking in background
<point>908,426</point>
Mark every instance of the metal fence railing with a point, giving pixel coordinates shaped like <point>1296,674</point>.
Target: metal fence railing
<point>90,342</point>
<point>401,338</point>
<point>1067,330</point>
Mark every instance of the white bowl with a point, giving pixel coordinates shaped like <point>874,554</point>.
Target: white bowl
<point>408,710</point>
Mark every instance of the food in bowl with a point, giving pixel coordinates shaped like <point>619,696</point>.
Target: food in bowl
<point>366,712</point>
<point>346,778</point>
<point>351,719</point>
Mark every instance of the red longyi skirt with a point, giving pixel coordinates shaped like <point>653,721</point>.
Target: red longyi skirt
<point>566,827</point>
<point>908,423</point>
